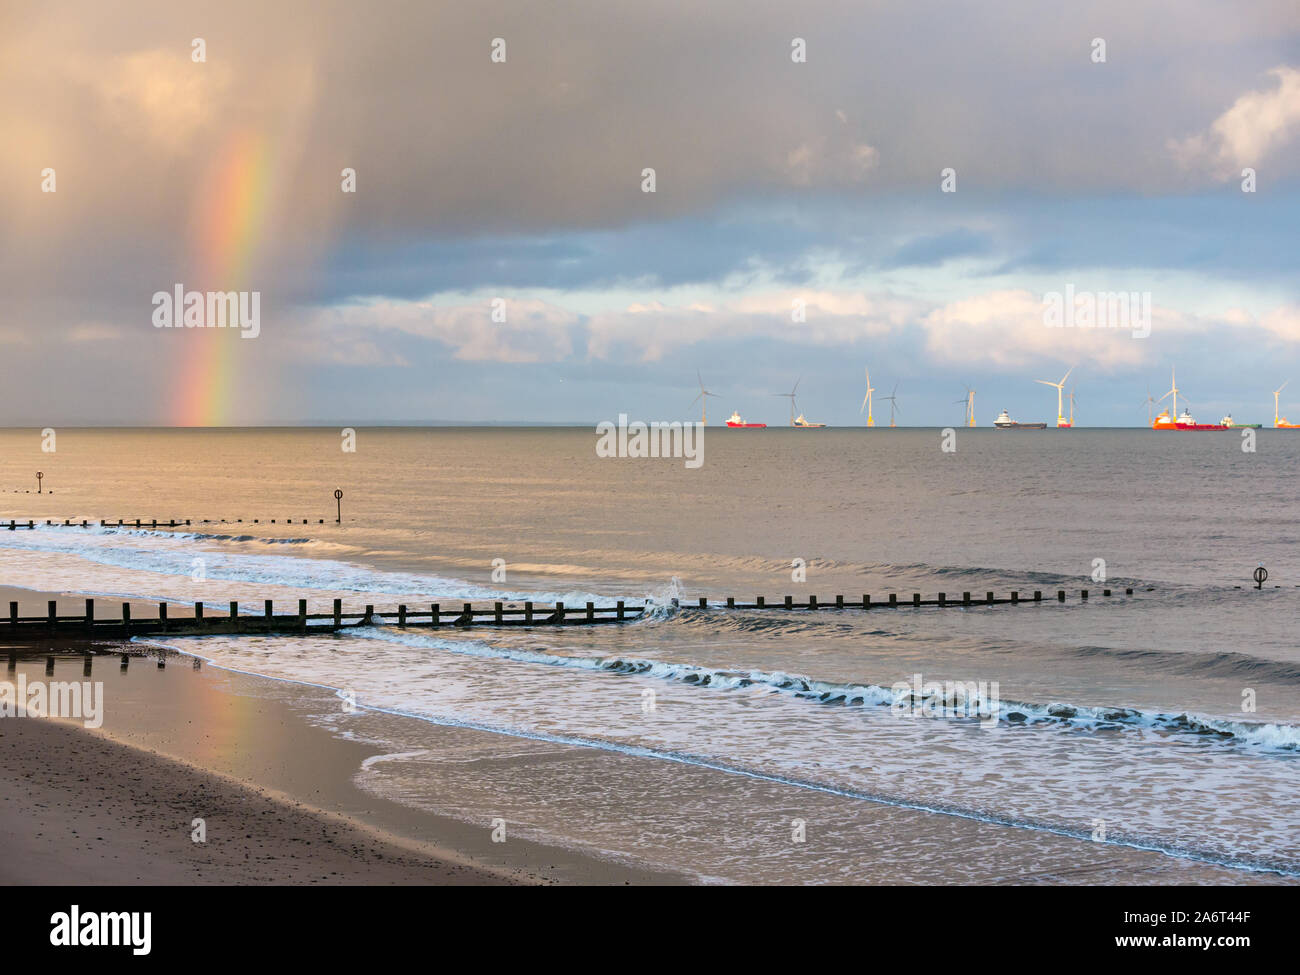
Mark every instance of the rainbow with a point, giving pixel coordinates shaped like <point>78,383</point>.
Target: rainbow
<point>229,223</point>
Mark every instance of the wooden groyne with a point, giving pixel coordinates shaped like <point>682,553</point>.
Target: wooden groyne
<point>16,524</point>
<point>90,625</point>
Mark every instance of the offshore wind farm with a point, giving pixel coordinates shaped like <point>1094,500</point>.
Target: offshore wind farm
<point>1169,418</point>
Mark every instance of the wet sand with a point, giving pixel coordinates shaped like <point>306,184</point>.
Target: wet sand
<point>82,809</point>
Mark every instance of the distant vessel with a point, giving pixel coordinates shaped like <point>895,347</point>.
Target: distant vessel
<point>798,422</point>
<point>1004,422</point>
<point>736,421</point>
<point>1165,418</point>
<point>1185,421</point>
<point>1228,422</point>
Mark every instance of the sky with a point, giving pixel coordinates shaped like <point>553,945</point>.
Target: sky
<point>894,186</point>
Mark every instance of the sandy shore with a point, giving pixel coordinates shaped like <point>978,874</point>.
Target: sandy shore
<point>82,809</point>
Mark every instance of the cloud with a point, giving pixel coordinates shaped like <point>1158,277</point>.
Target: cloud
<point>1283,323</point>
<point>94,332</point>
<point>533,331</point>
<point>1257,123</point>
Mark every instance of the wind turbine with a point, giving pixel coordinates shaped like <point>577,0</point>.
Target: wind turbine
<point>704,407</point>
<point>1060,390</point>
<point>1173,391</point>
<point>866,400</point>
<point>892,400</point>
<point>1072,389</point>
<point>1147,403</point>
<point>969,400</point>
<point>791,395</point>
<point>1276,393</point>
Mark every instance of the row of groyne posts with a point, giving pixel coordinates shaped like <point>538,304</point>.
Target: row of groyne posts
<point>155,523</point>
<point>236,621</point>
<point>31,523</point>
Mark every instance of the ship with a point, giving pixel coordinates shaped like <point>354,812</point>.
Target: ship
<point>735,421</point>
<point>1232,424</point>
<point>799,421</point>
<point>1185,421</point>
<point>1004,422</point>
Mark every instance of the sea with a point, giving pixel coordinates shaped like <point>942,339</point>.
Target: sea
<point>751,746</point>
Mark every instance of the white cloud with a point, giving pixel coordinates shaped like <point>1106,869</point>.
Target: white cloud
<point>1257,123</point>
<point>534,331</point>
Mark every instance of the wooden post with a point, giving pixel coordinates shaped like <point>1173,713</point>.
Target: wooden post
<point>704,602</point>
<point>162,616</point>
<point>401,614</point>
<point>943,599</point>
<point>49,665</point>
<point>1128,592</point>
<point>1105,592</point>
<point>126,618</point>
<point>761,602</point>
<point>621,610</point>
<point>338,613</point>
<point>269,612</point>
<point>789,602</point>
<point>126,659</point>
<point>13,659</point>
<point>528,610</point>
<point>866,600</point>
<point>916,599</point>
<point>591,615</point>
<point>1060,595</point>
<point>90,613</point>
<point>198,615</point>
<point>86,664</point>
<point>1015,596</point>
<point>436,613</point>
<point>893,599</point>
<point>53,607</point>
<point>1083,594</point>
<point>1038,595</point>
<point>302,614</point>
<point>965,599</point>
<point>559,612</point>
<point>839,602</point>
<point>988,598</point>
<point>369,618</point>
<point>496,611</point>
<point>234,614</point>
<point>812,602</point>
